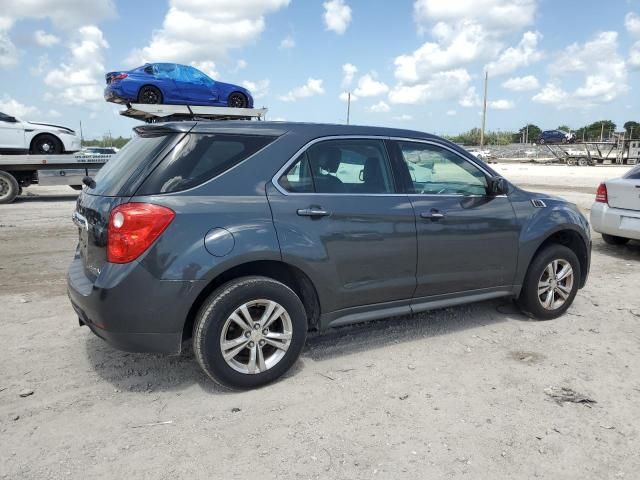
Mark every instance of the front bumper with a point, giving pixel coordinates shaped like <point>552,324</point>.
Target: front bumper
<point>71,143</point>
<point>615,221</point>
<point>129,308</point>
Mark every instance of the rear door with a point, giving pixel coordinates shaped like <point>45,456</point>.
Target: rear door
<point>339,217</point>
<point>466,239</point>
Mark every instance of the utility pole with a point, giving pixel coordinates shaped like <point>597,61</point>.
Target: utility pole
<point>601,131</point>
<point>81,135</point>
<point>527,138</point>
<point>348,106</point>
<point>484,108</point>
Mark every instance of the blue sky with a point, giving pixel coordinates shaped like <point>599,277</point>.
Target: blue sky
<point>416,64</point>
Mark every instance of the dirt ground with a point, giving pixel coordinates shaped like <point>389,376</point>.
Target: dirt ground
<point>455,393</point>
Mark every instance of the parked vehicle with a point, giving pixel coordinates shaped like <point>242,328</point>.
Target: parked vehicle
<point>22,137</point>
<point>616,211</point>
<point>245,235</point>
<point>173,84</point>
<point>556,136</point>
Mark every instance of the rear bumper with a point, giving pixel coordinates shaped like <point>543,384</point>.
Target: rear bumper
<point>114,94</point>
<point>130,309</point>
<point>615,221</point>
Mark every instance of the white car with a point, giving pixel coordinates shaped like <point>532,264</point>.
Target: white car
<point>616,211</point>
<point>19,136</point>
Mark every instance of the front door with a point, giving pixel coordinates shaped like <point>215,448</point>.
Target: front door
<point>11,133</point>
<point>195,87</point>
<point>340,218</point>
<point>467,240</point>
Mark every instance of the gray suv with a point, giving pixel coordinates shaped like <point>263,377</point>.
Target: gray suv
<point>246,235</point>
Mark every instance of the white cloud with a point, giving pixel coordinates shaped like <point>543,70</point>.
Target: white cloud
<point>551,94</point>
<point>470,98</point>
<point>344,97</point>
<point>53,113</point>
<point>287,43</point>
<point>632,23</point>
<point>45,39</point>
<point>8,51</point>
<point>368,86</point>
<point>337,16</point>
<point>12,107</point>
<point>311,88</point>
<point>207,67</point>
<point>451,112</point>
<point>605,72</point>
<point>500,15</point>
<point>521,84</point>
<point>80,80</point>
<point>204,30</point>
<point>380,107</point>
<point>456,46</point>
<point>348,72</point>
<point>258,89</point>
<point>501,104</point>
<point>522,55</point>
<point>403,118</point>
<point>66,14</point>
<point>634,56</point>
<point>441,86</point>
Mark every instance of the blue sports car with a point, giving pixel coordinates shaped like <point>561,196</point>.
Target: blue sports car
<point>171,83</point>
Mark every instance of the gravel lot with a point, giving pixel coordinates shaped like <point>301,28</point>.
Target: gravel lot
<point>455,393</point>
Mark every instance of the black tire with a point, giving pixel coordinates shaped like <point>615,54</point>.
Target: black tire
<point>150,95</point>
<point>46,144</point>
<point>9,187</point>
<point>221,304</point>
<point>237,100</point>
<point>613,240</point>
<point>583,162</point>
<point>571,162</point>
<point>529,301</point>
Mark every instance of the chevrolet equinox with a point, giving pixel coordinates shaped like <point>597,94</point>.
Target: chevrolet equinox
<point>243,236</point>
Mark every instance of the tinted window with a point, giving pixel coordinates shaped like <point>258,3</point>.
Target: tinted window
<point>436,170</point>
<point>633,174</point>
<point>198,158</point>
<point>297,178</point>
<point>350,166</point>
<point>128,163</point>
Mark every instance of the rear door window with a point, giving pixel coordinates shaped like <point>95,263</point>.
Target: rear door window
<point>633,174</point>
<point>201,157</point>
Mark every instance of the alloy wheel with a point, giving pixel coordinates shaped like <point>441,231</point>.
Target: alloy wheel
<point>555,284</point>
<point>256,336</point>
<point>4,187</point>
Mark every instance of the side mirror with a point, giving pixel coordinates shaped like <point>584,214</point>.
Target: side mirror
<point>497,186</point>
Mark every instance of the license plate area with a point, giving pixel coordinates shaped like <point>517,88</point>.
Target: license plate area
<point>630,223</point>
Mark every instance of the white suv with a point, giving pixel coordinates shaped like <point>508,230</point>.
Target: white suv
<point>19,136</point>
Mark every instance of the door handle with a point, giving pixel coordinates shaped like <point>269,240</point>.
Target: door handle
<point>312,212</point>
<point>432,215</point>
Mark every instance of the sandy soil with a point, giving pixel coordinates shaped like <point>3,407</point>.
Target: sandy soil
<point>456,393</point>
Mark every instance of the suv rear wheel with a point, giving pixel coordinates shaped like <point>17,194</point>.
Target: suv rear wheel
<point>249,332</point>
<point>551,283</point>
<point>613,240</point>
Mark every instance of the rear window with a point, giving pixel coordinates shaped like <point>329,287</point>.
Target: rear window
<point>633,174</point>
<point>123,169</point>
<point>200,157</point>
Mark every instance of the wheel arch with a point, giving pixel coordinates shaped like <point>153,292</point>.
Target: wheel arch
<point>283,272</point>
<point>572,239</point>
<point>40,134</point>
<point>149,85</point>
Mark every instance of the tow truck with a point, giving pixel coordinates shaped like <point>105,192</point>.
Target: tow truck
<point>19,171</point>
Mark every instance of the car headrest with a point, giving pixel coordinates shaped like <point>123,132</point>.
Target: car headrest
<point>330,159</point>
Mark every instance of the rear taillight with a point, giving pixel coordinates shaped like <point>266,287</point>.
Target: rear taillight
<point>133,227</point>
<point>120,76</point>
<point>601,194</point>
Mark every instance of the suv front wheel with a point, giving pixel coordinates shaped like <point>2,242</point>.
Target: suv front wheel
<point>249,332</point>
<point>551,283</point>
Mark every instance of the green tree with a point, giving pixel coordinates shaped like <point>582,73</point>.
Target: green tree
<point>106,141</point>
<point>632,129</point>
<point>591,133</point>
<point>533,132</point>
